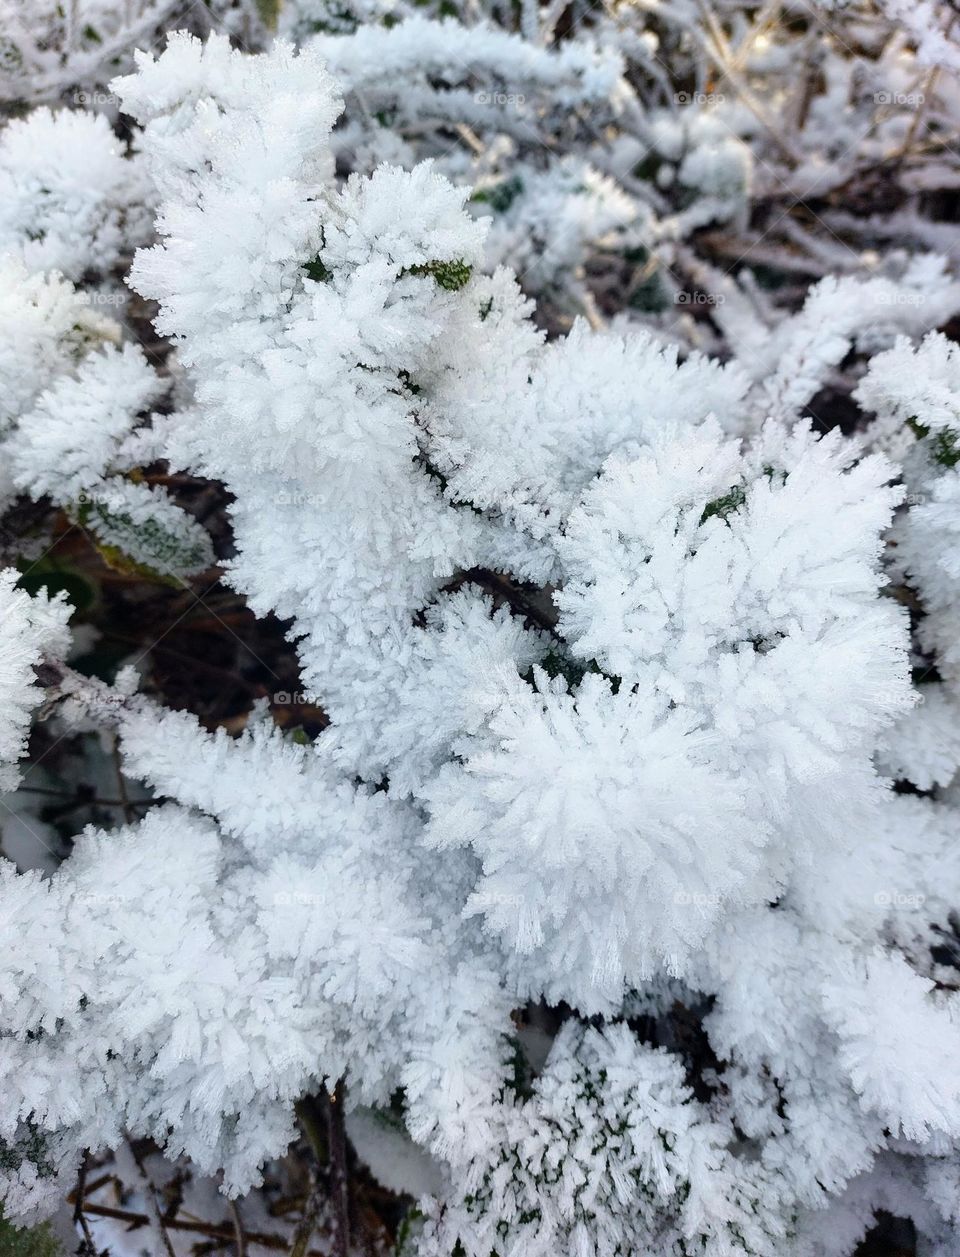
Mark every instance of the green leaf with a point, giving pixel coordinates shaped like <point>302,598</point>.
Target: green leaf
<point>945,447</point>
<point>450,275</point>
<point>142,532</point>
<point>501,195</point>
<point>32,1241</point>
<point>54,579</point>
<point>731,501</point>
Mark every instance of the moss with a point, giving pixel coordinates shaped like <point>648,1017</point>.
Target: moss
<point>30,1147</point>
<point>34,1241</point>
<point>410,1227</point>
<point>726,505</point>
<point>449,275</point>
<point>501,196</point>
<point>945,448</point>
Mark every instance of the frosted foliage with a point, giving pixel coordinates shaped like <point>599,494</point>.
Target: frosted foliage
<point>699,653</point>
<point>31,628</point>
<point>49,51</point>
<point>77,404</point>
<point>47,326</point>
<point>923,747</point>
<point>609,1155</point>
<point>69,199</point>
<point>915,391</point>
<point>583,887</point>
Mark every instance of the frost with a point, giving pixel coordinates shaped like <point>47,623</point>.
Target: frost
<point>31,629</point>
<point>610,884</point>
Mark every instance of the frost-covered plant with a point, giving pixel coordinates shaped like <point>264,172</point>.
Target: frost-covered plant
<point>69,199</point>
<point>610,1154</point>
<point>915,394</point>
<point>613,686</point>
<point>31,629</point>
<point>768,128</point>
<point>51,52</point>
<point>73,397</point>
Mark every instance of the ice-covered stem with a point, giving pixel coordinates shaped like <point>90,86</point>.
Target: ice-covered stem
<point>428,73</point>
<point>33,637</point>
<point>790,364</point>
<point>83,698</point>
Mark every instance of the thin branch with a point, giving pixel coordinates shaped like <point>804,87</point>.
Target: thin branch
<point>311,1216</point>
<point>339,1178</point>
<point>226,1233</point>
<point>930,82</point>
<point>496,583</point>
<point>128,816</point>
<point>314,1126</point>
<point>79,1215</point>
<point>150,1193</point>
<point>238,1229</point>
<point>315,1130</point>
<point>90,1188</point>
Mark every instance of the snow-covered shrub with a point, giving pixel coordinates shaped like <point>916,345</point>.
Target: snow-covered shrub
<point>916,395</point>
<point>31,629</point>
<point>590,886</point>
<point>52,52</point>
<point>73,398</point>
<point>770,134</point>
<point>610,1154</point>
<point>69,201</point>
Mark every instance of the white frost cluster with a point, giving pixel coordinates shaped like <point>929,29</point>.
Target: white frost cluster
<point>70,200</point>
<point>609,1155</point>
<point>915,393</point>
<point>74,399</point>
<point>31,628</point>
<point>615,690</point>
